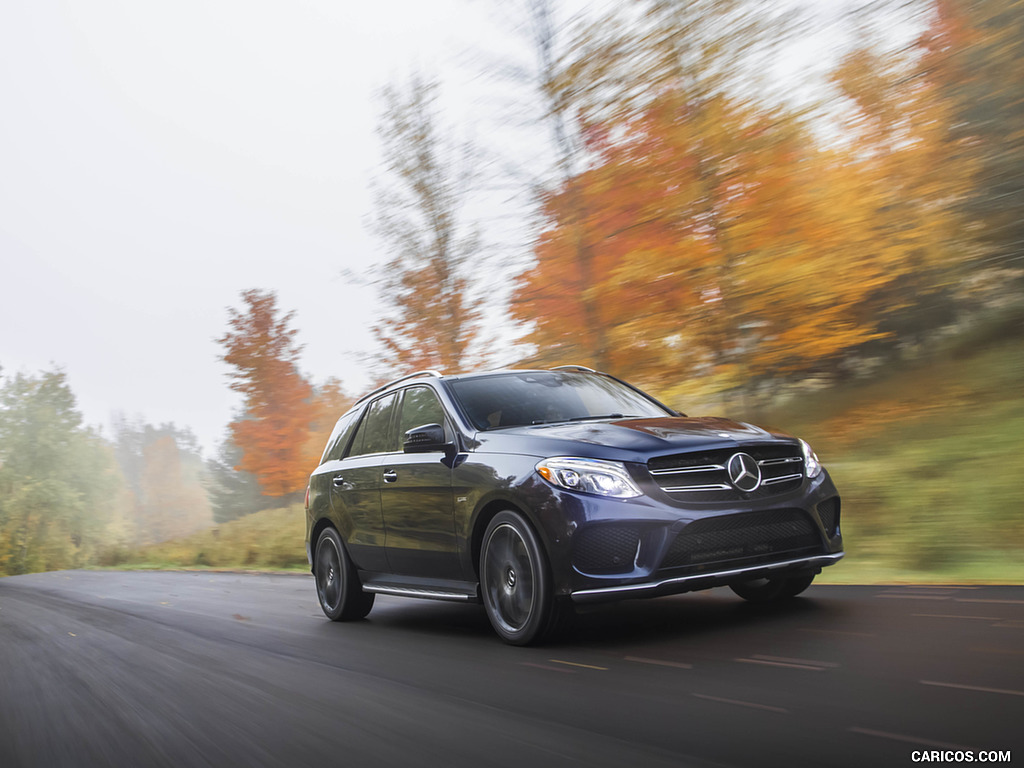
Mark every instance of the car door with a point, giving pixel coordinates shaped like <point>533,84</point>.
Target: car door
<point>356,483</point>
<point>417,498</point>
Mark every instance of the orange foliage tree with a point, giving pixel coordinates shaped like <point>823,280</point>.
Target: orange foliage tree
<point>172,502</point>
<point>279,407</point>
<point>711,251</point>
<point>708,231</point>
<point>429,318</point>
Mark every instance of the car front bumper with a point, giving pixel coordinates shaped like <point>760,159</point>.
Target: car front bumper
<point>671,586</point>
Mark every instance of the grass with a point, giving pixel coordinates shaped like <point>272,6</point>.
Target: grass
<point>929,462</point>
<point>269,540</point>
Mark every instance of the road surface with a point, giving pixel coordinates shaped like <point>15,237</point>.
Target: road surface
<point>223,669</point>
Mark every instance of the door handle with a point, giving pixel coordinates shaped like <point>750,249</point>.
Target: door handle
<point>390,476</point>
<point>338,481</point>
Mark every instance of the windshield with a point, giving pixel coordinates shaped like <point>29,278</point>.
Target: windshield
<point>545,397</point>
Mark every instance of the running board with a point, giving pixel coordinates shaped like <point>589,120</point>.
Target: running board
<point>431,594</point>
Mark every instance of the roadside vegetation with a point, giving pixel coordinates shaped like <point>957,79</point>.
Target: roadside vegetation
<point>928,459</point>
<point>850,269</point>
<point>271,539</point>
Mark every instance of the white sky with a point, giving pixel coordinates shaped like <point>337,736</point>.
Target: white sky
<point>156,158</point>
<point>159,157</point>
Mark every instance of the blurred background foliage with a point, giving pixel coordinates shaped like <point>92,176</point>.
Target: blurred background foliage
<point>846,265</point>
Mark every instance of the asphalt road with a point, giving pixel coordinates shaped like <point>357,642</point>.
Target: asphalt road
<point>222,669</point>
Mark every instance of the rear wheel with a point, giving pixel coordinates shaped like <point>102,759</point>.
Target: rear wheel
<point>765,590</point>
<point>337,583</point>
<point>515,581</point>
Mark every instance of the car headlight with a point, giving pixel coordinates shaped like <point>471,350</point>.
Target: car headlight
<point>602,478</point>
<point>811,463</point>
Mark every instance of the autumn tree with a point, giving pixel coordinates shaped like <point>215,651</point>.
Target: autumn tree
<point>165,478</point>
<point>430,317</point>
<point>638,264</point>
<point>690,60</point>
<point>273,432</point>
<point>975,62</point>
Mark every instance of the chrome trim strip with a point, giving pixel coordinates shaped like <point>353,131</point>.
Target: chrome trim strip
<point>786,460</point>
<point>782,479</point>
<point>584,595</point>
<point>411,592</point>
<point>698,488</point>
<point>704,468</point>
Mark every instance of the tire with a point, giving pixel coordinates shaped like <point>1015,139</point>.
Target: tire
<point>766,590</point>
<point>515,582</point>
<point>337,583</point>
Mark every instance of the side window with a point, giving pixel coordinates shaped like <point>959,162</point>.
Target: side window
<point>339,437</point>
<point>419,406</point>
<point>375,434</point>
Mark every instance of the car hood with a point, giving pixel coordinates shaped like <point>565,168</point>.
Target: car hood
<point>627,439</point>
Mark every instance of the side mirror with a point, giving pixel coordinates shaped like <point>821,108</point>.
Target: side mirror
<point>425,438</point>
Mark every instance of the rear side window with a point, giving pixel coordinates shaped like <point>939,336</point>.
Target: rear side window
<point>375,433</point>
<point>340,436</point>
<point>419,406</point>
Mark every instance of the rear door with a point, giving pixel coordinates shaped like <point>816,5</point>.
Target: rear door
<point>356,483</point>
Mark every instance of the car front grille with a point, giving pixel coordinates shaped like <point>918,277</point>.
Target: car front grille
<point>606,549</point>
<point>828,511</point>
<point>703,476</point>
<point>745,538</point>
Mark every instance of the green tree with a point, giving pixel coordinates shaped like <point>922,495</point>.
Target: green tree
<point>233,493</point>
<point>58,480</point>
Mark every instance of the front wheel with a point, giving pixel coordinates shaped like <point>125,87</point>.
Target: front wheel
<point>765,590</point>
<point>515,581</point>
<point>337,583</point>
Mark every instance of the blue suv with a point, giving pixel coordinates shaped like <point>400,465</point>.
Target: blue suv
<point>534,490</point>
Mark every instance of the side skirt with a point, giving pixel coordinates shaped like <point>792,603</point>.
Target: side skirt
<point>412,586</point>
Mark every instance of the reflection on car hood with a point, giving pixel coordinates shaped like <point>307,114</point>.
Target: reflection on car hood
<point>639,437</point>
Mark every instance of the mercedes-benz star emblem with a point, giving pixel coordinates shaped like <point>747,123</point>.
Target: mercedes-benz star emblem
<point>744,472</point>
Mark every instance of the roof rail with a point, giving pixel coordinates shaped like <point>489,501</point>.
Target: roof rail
<point>382,387</point>
<point>573,368</point>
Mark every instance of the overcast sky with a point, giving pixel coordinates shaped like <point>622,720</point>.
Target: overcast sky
<point>159,157</point>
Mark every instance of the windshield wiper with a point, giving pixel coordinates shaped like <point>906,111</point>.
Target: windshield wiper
<point>582,418</point>
<point>598,418</point>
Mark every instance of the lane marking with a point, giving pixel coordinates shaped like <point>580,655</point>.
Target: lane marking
<point>660,662</point>
<point>738,703</point>
<point>795,661</point>
<point>908,739</point>
<point>837,632</point>
<point>780,664</point>
<point>577,664</point>
<point>972,688</point>
<point>955,616</point>
<point>549,669</point>
<point>897,596</point>
<point>944,587</point>
<point>987,600</point>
